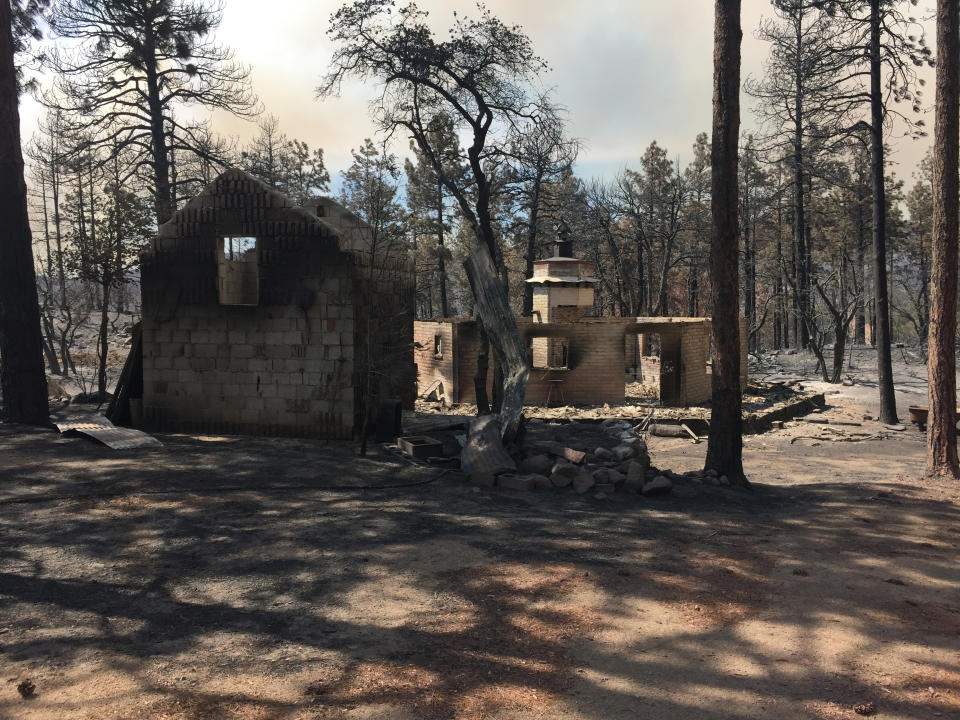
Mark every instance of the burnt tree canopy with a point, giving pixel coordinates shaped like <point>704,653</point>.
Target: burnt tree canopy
<point>135,63</point>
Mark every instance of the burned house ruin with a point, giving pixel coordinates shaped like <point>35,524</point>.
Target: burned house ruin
<point>574,358</point>
<point>260,317</point>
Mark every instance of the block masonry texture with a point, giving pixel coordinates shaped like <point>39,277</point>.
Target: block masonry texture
<point>293,363</point>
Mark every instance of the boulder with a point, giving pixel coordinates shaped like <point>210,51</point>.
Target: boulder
<point>606,488</point>
<point>541,482</point>
<point>484,451</point>
<point>624,452</point>
<point>515,482</point>
<point>485,479</point>
<point>540,464</point>
<point>615,477</point>
<point>634,484</point>
<point>567,453</point>
<point>660,485</point>
<point>583,482</point>
<point>636,472</point>
<point>563,473</point>
<point>602,453</point>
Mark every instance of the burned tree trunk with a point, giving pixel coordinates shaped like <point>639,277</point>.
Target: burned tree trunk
<point>22,375</point>
<point>725,446</point>
<point>483,368</point>
<point>501,328</point>
<point>888,401</point>
<point>942,428</point>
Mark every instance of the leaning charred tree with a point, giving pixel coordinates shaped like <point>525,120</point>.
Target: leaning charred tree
<point>22,375</point>
<point>942,432</point>
<point>725,446</point>
<point>479,77</point>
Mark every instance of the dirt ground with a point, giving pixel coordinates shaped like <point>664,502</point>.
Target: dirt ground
<point>254,578</point>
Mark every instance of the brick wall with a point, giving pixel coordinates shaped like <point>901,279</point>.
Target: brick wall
<point>430,366</point>
<point>596,350</point>
<point>695,384</point>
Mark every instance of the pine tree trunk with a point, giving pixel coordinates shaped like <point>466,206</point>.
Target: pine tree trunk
<point>103,344</point>
<point>888,400</point>
<point>860,332</point>
<point>692,290</point>
<point>941,425</point>
<point>800,221</point>
<point>532,224</point>
<point>725,445</point>
<point>22,376</point>
<point>442,267</point>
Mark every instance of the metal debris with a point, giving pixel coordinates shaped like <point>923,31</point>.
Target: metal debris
<point>102,430</point>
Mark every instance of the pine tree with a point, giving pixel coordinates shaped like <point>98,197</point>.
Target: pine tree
<point>725,444</point>
<point>429,201</point>
<point>132,64</point>
<point>942,422</point>
<point>370,190</point>
<point>22,377</point>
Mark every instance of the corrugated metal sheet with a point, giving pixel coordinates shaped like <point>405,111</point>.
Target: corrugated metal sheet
<point>113,437</point>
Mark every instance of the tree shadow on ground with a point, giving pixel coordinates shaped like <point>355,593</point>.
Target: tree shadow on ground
<point>236,594</point>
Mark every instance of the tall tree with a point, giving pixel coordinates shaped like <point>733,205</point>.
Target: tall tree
<point>135,62</point>
<point>22,377</point>
<point>429,200</point>
<point>370,188</point>
<point>122,221</point>
<point>265,156</point>
<point>889,51</point>
<point>941,357</point>
<point>912,257</point>
<point>541,154</point>
<point>888,399</point>
<point>725,444</point>
<point>805,106</point>
<point>481,77</point>
<point>697,219</point>
<point>306,173</point>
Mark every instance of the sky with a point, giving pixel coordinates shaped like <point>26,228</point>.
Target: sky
<point>627,71</point>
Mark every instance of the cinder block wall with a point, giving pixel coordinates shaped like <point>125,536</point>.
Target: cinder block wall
<point>286,366</point>
<point>384,295</point>
<point>270,369</point>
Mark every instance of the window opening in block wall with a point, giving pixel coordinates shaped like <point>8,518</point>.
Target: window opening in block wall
<point>238,271</point>
<point>438,346</point>
<point>549,353</point>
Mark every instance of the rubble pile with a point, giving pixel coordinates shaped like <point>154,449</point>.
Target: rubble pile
<point>620,464</point>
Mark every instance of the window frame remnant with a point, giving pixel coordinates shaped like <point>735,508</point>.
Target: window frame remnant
<point>238,270</point>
